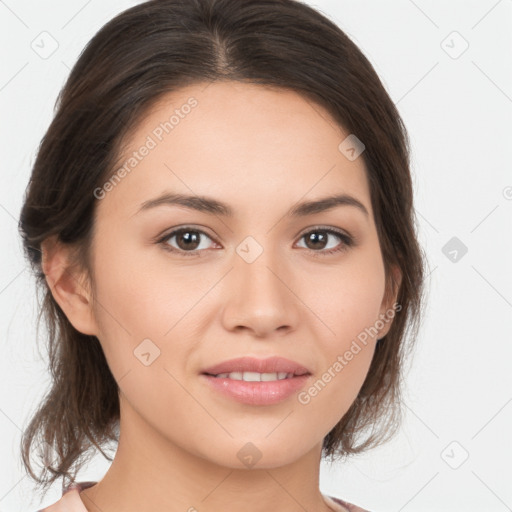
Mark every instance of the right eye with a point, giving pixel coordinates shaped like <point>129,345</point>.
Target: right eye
<point>188,238</point>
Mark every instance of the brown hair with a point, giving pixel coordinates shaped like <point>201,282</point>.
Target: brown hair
<point>143,53</point>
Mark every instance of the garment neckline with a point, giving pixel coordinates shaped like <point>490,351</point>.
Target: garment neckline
<point>78,487</point>
<point>333,505</point>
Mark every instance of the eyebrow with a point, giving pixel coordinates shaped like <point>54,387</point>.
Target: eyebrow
<point>213,206</point>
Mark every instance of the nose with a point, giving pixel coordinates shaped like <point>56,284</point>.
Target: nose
<point>260,298</point>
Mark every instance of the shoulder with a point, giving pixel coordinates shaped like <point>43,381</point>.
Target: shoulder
<point>70,500</point>
<point>349,506</point>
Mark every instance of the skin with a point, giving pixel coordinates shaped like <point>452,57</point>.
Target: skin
<point>261,151</point>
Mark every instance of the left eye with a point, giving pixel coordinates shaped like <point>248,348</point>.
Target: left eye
<point>190,242</point>
<point>313,238</point>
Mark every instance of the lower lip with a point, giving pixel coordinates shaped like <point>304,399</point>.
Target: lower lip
<point>257,393</point>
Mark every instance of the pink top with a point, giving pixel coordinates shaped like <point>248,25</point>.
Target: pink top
<point>71,501</point>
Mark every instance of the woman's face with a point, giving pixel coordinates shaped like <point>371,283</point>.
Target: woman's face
<point>260,282</point>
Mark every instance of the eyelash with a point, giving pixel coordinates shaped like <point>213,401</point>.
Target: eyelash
<point>347,240</point>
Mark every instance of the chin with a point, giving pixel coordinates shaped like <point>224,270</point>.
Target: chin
<point>260,453</point>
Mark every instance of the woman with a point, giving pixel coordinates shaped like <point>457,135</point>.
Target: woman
<point>220,216</point>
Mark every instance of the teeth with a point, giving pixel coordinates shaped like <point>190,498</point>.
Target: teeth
<point>255,376</point>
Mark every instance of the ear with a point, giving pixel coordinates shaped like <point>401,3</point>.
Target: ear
<point>389,308</point>
<point>68,285</point>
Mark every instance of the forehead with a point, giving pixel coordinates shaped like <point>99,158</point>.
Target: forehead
<point>247,144</point>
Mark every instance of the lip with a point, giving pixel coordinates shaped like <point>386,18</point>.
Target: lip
<point>250,364</point>
<point>262,392</point>
<point>257,393</point>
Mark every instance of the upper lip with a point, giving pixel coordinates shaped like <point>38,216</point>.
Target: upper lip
<point>251,364</point>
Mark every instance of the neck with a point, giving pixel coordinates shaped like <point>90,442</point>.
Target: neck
<point>149,472</point>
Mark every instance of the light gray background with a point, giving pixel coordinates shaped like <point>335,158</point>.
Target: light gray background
<point>458,399</point>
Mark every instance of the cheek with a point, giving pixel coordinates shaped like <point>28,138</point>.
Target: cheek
<point>125,307</point>
<point>347,299</point>
<point>142,311</point>
<point>348,302</point>
<point>337,384</point>
<point>134,313</point>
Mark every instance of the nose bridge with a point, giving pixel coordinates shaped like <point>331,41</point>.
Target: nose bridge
<point>256,268</point>
<point>261,299</point>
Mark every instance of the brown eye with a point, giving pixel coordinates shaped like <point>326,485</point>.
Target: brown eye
<point>317,240</point>
<point>187,240</point>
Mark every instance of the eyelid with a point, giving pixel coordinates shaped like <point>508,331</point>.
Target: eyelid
<point>321,227</point>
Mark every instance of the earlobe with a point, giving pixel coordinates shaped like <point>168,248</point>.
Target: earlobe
<point>68,285</point>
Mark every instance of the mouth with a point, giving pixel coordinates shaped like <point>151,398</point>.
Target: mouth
<point>255,381</point>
